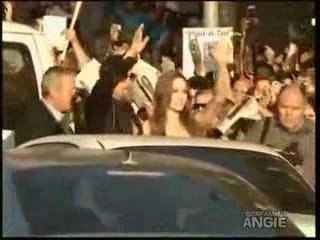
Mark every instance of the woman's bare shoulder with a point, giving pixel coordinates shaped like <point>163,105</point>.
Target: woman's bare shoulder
<point>146,127</point>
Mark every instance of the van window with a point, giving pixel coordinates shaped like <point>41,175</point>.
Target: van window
<point>19,81</point>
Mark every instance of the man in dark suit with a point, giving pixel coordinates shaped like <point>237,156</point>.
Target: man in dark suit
<point>47,116</point>
<point>108,108</point>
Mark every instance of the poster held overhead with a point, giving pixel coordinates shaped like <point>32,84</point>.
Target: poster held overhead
<point>52,27</point>
<point>196,44</point>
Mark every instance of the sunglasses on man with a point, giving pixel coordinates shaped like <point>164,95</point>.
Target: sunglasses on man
<point>198,106</point>
<point>132,76</point>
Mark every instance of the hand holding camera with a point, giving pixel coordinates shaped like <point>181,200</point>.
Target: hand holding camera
<point>250,19</point>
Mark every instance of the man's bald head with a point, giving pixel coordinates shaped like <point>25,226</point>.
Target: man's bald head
<point>291,104</point>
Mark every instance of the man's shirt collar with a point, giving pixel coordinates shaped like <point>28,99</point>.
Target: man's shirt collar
<point>58,116</point>
<point>306,127</point>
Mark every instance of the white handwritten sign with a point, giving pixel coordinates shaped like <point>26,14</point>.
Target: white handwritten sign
<point>53,26</point>
<point>205,37</point>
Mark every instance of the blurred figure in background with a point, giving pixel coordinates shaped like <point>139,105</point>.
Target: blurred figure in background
<point>156,26</point>
<point>170,43</point>
<point>240,89</point>
<point>131,17</point>
<point>262,92</point>
<point>91,20</point>
<point>8,8</point>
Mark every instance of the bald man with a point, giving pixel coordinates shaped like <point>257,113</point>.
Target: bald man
<point>289,130</point>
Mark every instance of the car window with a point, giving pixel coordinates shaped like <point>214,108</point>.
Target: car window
<point>269,173</point>
<point>19,81</point>
<point>93,199</point>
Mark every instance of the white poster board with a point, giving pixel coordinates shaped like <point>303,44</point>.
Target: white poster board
<point>144,85</point>
<point>53,26</point>
<point>206,37</point>
<point>88,75</point>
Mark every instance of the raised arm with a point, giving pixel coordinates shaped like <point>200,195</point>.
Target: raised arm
<point>81,55</point>
<point>138,43</point>
<point>220,52</point>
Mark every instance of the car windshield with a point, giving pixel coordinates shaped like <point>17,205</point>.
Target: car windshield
<point>270,174</point>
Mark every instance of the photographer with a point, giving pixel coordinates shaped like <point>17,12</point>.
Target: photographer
<point>289,130</point>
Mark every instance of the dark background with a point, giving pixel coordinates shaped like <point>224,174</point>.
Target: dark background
<point>275,17</point>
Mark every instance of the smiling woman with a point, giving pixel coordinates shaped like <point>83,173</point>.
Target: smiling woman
<point>172,107</point>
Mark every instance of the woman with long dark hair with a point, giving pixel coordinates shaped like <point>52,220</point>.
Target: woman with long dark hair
<point>171,108</point>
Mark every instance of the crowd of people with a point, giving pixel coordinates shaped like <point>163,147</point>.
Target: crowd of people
<point>282,84</point>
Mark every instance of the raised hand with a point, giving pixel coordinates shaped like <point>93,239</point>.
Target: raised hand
<point>310,113</point>
<point>138,42</point>
<point>71,35</point>
<point>220,51</point>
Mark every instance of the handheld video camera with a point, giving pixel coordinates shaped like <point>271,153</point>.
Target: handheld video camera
<point>251,16</point>
<point>292,154</point>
